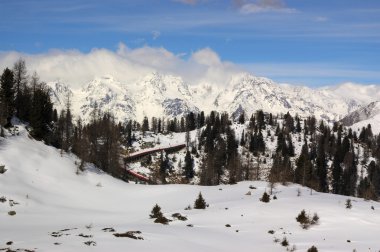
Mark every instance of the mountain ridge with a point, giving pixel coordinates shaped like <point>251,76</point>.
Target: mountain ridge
<point>162,95</point>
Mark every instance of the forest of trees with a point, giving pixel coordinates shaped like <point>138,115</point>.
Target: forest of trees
<point>329,159</point>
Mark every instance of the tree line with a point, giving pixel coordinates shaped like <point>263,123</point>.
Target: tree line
<point>328,161</point>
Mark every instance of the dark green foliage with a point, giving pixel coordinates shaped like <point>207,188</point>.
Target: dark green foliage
<point>312,249</point>
<point>265,198</point>
<point>285,242</point>
<point>348,204</point>
<point>189,165</point>
<point>7,98</point>
<point>156,212</point>
<point>241,119</point>
<point>41,112</point>
<point>200,202</point>
<point>305,220</point>
<point>302,217</point>
<point>162,219</point>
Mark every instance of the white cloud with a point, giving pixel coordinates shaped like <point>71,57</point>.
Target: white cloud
<point>127,65</point>
<point>321,19</point>
<point>263,6</point>
<point>156,34</point>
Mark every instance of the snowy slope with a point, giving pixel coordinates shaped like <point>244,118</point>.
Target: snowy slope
<point>52,197</point>
<point>369,114</point>
<point>162,95</point>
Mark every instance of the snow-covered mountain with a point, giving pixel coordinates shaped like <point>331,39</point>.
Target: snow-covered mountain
<point>162,95</point>
<point>363,116</point>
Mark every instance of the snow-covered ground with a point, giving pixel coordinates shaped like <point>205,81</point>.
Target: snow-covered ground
<point>52,197</point>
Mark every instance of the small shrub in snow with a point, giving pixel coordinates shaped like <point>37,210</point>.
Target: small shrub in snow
<point>12,213</point>
<point>3,199</point>
<point>271,232</point>
<point>274,197</point>
<point>162,219</point>
<point>200,202</point>
<point>285,242</point>
<point>89,226</point>
<point>2,169</point>
<point>265,198</point>
<point>156,212</point>
<point>179,217</point>
<point>315,219</point>
<point>348,204</point>
<point>228,225</point>
<point>305,220</point>
<point>188,207</point>
<point>312,249</point>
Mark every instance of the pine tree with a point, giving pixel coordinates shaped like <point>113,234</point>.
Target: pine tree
<point>41,112</point>
<point>265,198</point>
<point>241,119</point>
<point>156,212</point>
<point>200,202</point>
<point>321,164</point>
<point>189,165</point>
<point>6,97</point>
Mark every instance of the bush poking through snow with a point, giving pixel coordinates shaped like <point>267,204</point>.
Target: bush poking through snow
<point>158,216</point>
<point>285,242</point>
<point>12,213</point>
<point>180,217</point>
<point>265,198</point>
<point>348,204</point>
<point>130,234</point>
<point>312,249</point>
<point>200,202</point>
<point>162,219</point>
<point>2,169</point>
<point>3,199</point>
<point>305,220</point>
<point>156,212</point>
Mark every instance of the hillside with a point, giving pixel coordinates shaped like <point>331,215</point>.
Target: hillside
<point>369,114</point>
<point>52,197</point>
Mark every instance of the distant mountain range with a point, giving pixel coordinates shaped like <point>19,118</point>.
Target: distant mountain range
<point>161,95</point>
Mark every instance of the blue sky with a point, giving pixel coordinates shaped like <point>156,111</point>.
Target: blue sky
<point>312,42</point>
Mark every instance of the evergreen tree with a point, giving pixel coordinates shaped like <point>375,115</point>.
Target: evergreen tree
<point>145,125</point>
<point>41,112</point>
<point>303,171</point>
<point>156,212</point>
<point>321,164</point>
<point>241,119</point>
<point>189,165</point>
<point>265,198</point>
<point>6,97</point>
<point>200,202</point>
